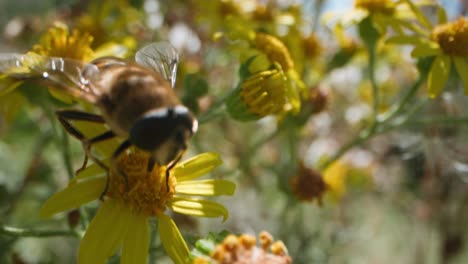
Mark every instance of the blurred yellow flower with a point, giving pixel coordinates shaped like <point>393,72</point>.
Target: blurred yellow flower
<point>111,21</point>
<point>335,178</point>
<point>382,14</point>
<point>60,42</point>
<point>121,220</point>
<point>446,42</point>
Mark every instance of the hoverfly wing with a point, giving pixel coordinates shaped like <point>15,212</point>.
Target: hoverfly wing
<point>162,57</point>
<point>74,76</point>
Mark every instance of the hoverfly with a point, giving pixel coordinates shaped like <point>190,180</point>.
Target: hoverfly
<point>136,100</point>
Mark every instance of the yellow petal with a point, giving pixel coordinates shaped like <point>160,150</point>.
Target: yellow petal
<point>111,49</point>
<point>404,39</point>
<point>73,196</point>
<point>136,241</point>
<point>61,95</point>
<point>90,129</point>
<point>198,207</point>
<point>353,17</point>
<point>419,14</point>
<point>11,104</point>
<point>92,170</point>
<point>426,49</point>
<point>197,166</point>
<point>104,233</point>
<point>8,84</point>
<point>172,240</point>
<point>438,75</point>
<point>209,187</point>
<point>441,15</point>
<point>462,69</point>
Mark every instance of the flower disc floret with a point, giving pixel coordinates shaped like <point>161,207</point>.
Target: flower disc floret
<point>146,191</point>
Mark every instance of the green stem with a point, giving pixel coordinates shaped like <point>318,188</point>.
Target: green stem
<point>381,125</point>
<point>442,120</point>
<point>361,138</point>
<point>375,87</point>
<point>397,108</point>
<point>154,248</point>
<point>213,111</point>
<point>66,154</point>
<point>20,232</point>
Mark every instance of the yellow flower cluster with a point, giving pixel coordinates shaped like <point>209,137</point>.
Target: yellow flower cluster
<point>269,83</point>
<point>446,42</point>
<point>243,249</point>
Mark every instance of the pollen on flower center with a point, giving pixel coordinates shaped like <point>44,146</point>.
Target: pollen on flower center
<point>376,6</point>
<point>453,37</point>
<point>146,191</point>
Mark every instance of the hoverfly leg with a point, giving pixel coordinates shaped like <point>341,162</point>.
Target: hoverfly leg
<point>124,146</point>
<point>65,117</point>
<point>169,168</point>
<point>151,163</point>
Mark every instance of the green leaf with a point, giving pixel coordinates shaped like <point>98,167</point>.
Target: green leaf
<point>368,32</point>
<point>195,87</point>
<point>438,75</point>
<point>204,246</point>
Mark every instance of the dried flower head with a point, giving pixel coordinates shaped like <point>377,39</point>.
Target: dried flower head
<point>308,185</point>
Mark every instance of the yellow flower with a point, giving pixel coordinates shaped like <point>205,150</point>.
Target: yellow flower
<point>121,220</point>
<point>60,42</point>
<point>382,13</point>
<point>335,178</point>
<point>269,84</point>
<point>109,21</point>
<point>446,42</point>
<point>264,93</point>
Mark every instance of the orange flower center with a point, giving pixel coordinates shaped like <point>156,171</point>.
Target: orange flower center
<point>453,37</point>
<point>146,191</point>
